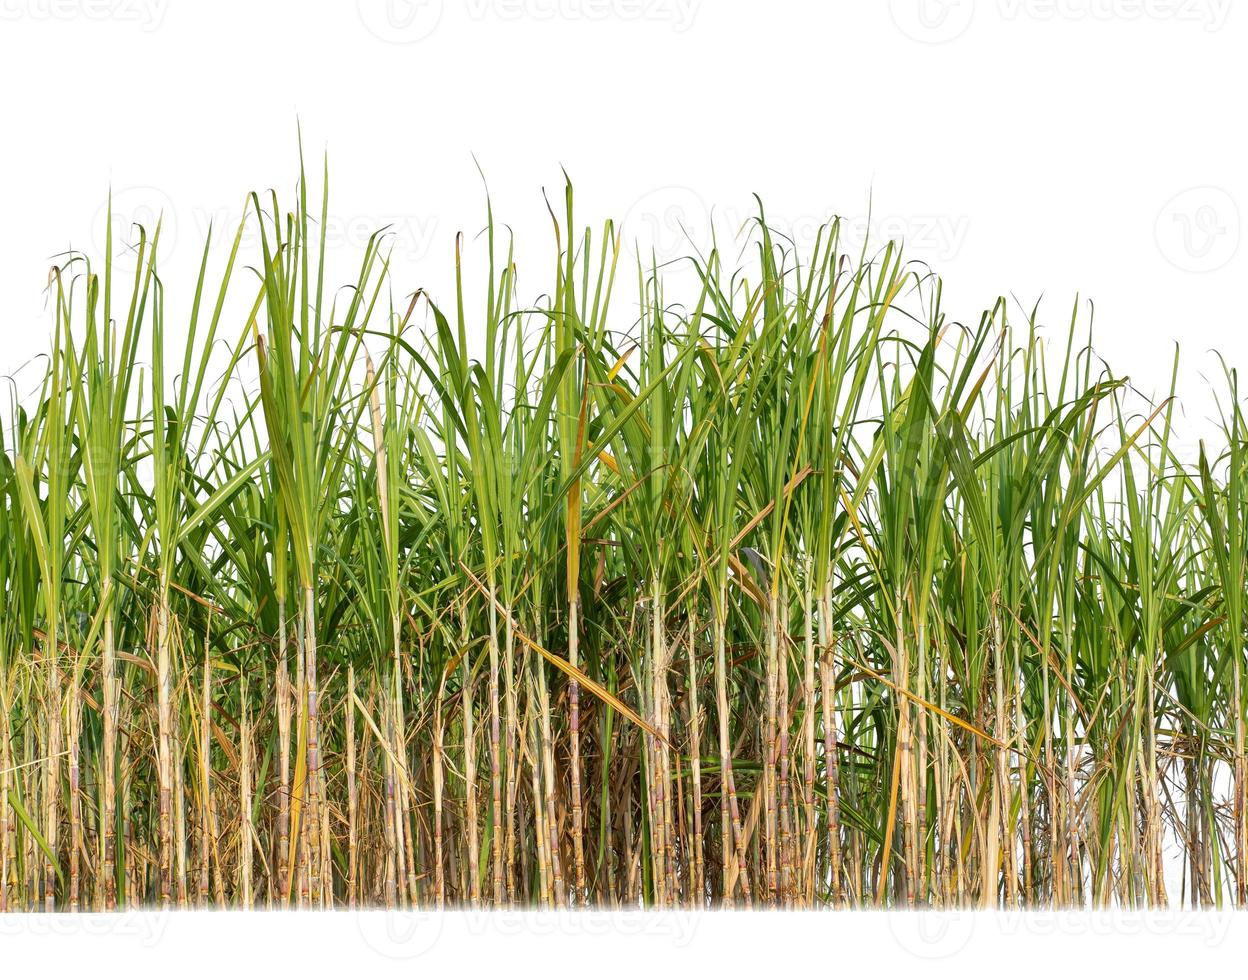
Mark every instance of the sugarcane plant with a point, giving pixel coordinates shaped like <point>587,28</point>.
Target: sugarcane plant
<point>791,591</point>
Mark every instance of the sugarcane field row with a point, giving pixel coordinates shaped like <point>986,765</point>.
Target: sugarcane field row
<point>761,584</point>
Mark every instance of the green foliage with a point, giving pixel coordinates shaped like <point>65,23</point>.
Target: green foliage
<point>797,592</point>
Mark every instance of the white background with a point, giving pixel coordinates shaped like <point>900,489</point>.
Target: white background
<point>1060,149</point>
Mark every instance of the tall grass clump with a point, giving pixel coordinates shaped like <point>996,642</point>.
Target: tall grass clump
<point>791,591</point>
